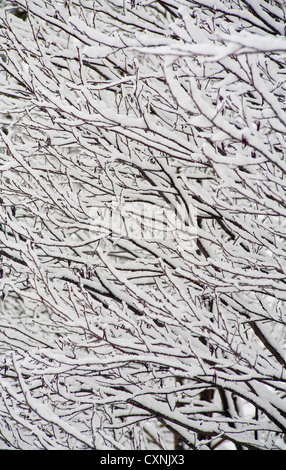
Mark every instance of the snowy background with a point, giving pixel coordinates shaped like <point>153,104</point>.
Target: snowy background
<point>114,340</point>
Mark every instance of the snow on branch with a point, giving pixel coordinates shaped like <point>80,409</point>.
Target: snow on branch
<point>142,224</point>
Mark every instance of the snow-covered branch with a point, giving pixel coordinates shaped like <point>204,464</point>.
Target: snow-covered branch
<point>142,224</point>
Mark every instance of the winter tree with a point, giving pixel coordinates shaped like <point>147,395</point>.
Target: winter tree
<point>142,212</point>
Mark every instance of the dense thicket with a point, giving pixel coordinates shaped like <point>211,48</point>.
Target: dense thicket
<point>142,212</point>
